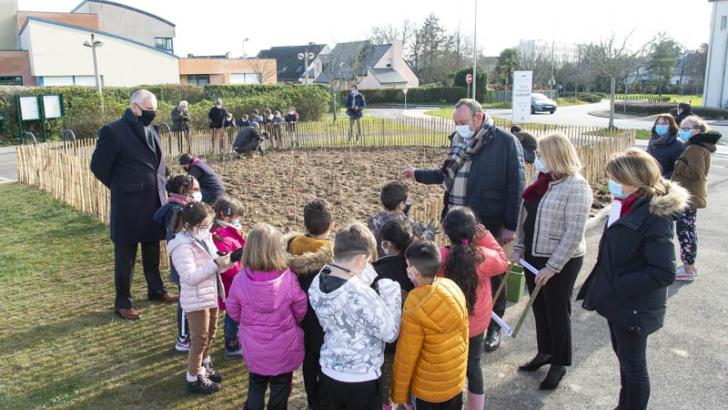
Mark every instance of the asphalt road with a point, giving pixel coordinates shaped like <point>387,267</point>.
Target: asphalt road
<point>688,358</point>
<point>8,173</point>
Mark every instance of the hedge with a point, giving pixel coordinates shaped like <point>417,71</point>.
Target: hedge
<point>651,108</point>
<point>445,95</point>
<point>83,114</point>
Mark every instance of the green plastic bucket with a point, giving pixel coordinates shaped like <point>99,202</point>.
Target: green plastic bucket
<point>514,285</point>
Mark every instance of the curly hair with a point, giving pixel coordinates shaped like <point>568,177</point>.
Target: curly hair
<point>462,263</point>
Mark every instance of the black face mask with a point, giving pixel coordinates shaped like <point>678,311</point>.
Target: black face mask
<point>407,206</point>
<point>147,117</point>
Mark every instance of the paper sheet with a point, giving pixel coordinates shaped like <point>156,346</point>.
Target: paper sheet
<point>528,266</point>
<point>502,323</point>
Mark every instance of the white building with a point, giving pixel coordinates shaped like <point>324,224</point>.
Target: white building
<point>58,57</point>
<point>715,93</point>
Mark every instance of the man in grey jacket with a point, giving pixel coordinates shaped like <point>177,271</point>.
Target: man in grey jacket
<point>483,171</point>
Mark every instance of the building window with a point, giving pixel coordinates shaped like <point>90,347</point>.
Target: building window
<point>198,79</point>
<point>81,80</point>
<point>11,80</point>
<point>244,78</point>
<point>163,43</point>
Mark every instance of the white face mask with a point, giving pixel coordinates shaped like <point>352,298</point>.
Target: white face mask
<point>236,223</point>
<point>541,166</point>
<point>202,235</point>
<point>464,131</point>
<point>385,249</point>
<point>411,276</point>
<point>369,274</point>
<point>196,196</point>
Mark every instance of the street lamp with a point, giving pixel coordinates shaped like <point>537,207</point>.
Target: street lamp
<point>93,45</point>
<point>475,47</point>
<point>244,40</point>
<point>306,56</point>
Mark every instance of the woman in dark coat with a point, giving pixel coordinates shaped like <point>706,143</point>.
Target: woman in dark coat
<point>664,144</point>
<point>636,264</point>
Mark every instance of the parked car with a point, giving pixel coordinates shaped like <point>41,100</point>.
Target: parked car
<point>542,103</point>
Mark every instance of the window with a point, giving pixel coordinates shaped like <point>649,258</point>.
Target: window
<point>198,79</point>
<point>163,43</point>
<point>244,78</point>
<point>82,80</point>
<point>723,22</point>
<point>17,80</point>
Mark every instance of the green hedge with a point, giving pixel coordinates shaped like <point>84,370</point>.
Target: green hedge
<point>445,95</point>
<point>652,108</point>
<point>588,97</point>
<point>83,114</point>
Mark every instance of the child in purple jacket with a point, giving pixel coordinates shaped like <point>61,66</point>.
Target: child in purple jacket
<point>269,304</point>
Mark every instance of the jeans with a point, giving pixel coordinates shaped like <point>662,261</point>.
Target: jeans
<point>631,350</point>
<point>280,389</point>
<point>474,372</point>
<point>230,331</point>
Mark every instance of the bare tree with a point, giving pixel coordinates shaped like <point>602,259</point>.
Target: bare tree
<point>265,69</point>
<point>615,59</point>
<point>342,70</point>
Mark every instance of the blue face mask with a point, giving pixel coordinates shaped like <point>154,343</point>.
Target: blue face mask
<point>616,190</point>
<point>661,130</point>
<point>684,135</point>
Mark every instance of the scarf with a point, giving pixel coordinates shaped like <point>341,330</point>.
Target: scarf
<point>460,152</point>
<point>538,188</point>
<point>627,205</point>
<point>180,199</point>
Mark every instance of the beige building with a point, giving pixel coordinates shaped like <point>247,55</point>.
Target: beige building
<point>204,70</point>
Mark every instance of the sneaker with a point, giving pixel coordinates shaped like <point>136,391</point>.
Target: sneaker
<point>683,275</point>
<point>182,345</point>
<point>203,385</point>
<point>232,353</point>
<point>211,373</point>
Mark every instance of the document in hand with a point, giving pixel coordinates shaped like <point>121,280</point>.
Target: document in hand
<point>513,332</point>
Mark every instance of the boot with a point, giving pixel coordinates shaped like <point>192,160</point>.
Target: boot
<point>492,339</point>
<point>553,377</point>
<point>476,401</point>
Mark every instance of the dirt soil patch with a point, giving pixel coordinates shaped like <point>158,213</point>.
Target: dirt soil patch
<point>274,188</point>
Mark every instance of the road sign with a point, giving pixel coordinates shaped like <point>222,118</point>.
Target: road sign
<point>469,78</point>
<point>521,106</point>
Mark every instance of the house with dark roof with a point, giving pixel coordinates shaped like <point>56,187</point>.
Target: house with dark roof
<point>291,69</point>
<point>368,65</point>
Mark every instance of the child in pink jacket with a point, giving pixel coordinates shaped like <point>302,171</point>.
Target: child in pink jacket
<point>227,238</point>
<point>476,256</point>
<point>269,304</point>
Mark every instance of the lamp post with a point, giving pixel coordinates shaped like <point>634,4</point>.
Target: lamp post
<point>244,41</point>
<point>305,56</point>
<point>475,47</point>
<point>93,45</point>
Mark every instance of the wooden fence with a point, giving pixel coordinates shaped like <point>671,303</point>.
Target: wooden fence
<point>62,168</point>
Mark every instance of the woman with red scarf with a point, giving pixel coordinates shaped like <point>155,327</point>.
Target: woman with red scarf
<point>636,264</point>
<point>550,236</point>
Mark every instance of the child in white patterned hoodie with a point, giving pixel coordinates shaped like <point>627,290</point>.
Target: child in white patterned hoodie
<point>357,321</point>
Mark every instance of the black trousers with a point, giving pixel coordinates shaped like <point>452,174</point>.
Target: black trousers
<point>280,389</point>
<point>456,403</point>
<point>552,309</point>
<point>631,350</point>
<point>124,261</point>
<point>474,372</point>
<point>338,395</point>
<point>313,339</point>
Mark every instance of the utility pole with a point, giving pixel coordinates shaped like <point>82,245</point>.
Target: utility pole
<point>475,48</point>
<point>93,45</point>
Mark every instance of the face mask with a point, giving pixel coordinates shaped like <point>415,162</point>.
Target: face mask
<point>354,92</point>
<point>196,196</point>
<point>407,206</point>
<point>202,235</point>
<point>661,130</point>
<point>541,166</point>
<point>147,117</point>
<point>616,189</point>
<point>369,274</point>
<point>684,135</point>
<point>236,223</point>
<point>411,277</point>
<point>385,249</point>
<point>464,131</point>
<point>290,112</point>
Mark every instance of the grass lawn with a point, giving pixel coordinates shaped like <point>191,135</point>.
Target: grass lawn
<point>60,344</point>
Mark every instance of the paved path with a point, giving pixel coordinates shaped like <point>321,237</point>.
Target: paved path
<point>688,358</point>
<point>8,173</point>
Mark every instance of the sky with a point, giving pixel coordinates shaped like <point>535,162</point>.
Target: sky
<point>203,29</point>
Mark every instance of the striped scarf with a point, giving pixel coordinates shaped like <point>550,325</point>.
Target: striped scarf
<point>457,163</point>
